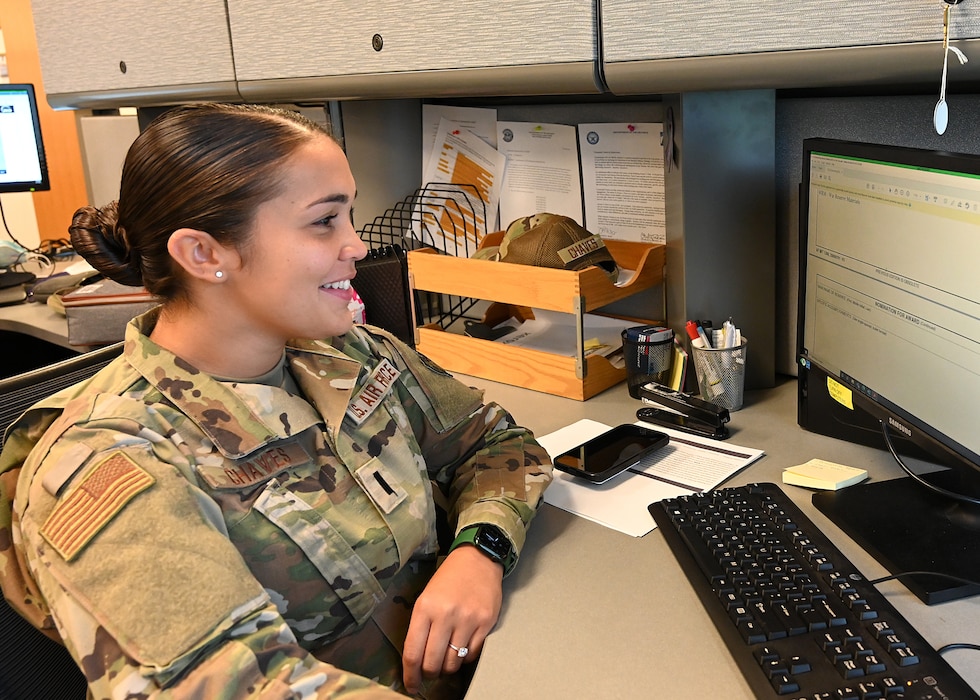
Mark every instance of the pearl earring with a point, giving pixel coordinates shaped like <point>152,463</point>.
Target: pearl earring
<point>219,274</point>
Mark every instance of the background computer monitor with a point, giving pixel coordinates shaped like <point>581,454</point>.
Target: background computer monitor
<point>23,165</point>
<point>890,334</point>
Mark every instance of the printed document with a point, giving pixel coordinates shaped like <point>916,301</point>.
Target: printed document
<point>688,464</point>
<point>542,172</point>
<point>479,120</point>
<point>623,181</point>
<point>555,332</point>
<point>463,214</point>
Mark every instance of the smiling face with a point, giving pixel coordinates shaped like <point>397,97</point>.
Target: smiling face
<point>295,272</point>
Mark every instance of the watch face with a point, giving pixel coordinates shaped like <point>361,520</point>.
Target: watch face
<point>493,542</point>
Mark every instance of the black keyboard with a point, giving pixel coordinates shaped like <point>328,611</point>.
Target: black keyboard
<point>798,618</point>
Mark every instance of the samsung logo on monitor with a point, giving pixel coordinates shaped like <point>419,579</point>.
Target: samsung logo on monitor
<point>901,428</point>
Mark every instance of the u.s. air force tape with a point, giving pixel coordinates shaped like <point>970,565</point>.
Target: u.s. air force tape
<point>369,397</point>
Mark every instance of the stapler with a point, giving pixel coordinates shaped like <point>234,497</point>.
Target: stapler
<point>688,413</point>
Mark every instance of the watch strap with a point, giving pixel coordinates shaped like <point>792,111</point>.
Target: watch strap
<point>471,535</point>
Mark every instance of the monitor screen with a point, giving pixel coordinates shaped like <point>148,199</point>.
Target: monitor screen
<point>890,334</point>
<point>23,166</point>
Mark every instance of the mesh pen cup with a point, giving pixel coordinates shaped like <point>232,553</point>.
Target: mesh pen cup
<point>647,360</point>
<point>721,374</point>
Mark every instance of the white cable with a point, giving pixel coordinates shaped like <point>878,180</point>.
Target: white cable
<point>940,116</point>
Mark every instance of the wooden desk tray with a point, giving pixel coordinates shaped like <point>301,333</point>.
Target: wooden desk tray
<point>574,292</point>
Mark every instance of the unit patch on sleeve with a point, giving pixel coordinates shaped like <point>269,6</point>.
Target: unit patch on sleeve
<point>369,397</point>
<point>91,505</point>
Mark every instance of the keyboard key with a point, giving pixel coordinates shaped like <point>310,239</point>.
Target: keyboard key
<point>872,665</point>
<point>752,633</point>
<point>904,656</point>
<point>798,665</point>
<point>785,684</point>
<point>766,654</point>
<point>849,669</point>
<point>775,667</point>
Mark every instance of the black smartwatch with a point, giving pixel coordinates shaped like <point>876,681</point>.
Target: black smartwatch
<point>490,540</point>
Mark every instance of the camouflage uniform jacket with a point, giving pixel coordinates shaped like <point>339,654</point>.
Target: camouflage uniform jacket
<point>190,537</point>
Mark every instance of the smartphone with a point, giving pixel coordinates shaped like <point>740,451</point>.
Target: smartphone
<point>611,453</point>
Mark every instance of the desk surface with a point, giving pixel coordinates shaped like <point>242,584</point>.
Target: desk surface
<point>37,320</point>
<point>593,613</point>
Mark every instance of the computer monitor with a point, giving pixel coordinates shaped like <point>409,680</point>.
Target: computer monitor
<point>23,165</point>
<point>889,348</point>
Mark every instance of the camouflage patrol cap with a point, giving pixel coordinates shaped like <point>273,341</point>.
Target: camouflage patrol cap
<point>551,240</point>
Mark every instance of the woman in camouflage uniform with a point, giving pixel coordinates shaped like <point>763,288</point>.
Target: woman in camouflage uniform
<point>224,512</point>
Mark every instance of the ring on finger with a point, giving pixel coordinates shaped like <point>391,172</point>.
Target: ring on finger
<point>461,652</point>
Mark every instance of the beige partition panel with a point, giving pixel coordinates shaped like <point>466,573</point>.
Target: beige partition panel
<point>410,48</point>
<point>102,53</point>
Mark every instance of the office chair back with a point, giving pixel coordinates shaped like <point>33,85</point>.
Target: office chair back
<point>32,666</point>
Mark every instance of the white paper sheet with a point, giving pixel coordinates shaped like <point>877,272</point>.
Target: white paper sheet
<point>462,158</point>
<point>688,464</point>
<point>555,332</point>
<point>542,173</point>
<point>479,120</point>
<point>623,181</point>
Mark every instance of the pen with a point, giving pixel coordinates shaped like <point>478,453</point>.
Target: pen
<point>703,337</point>
<point>709,331</point>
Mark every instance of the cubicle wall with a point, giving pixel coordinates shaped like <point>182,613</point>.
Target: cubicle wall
<point>610,61</point>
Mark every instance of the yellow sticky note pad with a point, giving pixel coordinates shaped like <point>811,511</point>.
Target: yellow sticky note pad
<point>823,475</point>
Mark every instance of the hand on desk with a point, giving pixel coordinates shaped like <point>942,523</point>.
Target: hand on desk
<point>459,606</point>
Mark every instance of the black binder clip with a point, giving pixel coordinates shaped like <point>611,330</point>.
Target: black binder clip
<point>689,413</point>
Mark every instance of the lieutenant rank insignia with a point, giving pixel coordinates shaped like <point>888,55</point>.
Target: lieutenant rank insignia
<point>102,493</point>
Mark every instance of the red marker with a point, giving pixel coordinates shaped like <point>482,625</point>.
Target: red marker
<point>698,338</point>
<point>692,330</point>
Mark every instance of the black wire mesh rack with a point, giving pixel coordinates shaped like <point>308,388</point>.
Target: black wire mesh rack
<point>449,218</point>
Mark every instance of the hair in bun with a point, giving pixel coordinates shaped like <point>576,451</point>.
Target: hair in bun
<point>206,167</point>
<point>97,236</point>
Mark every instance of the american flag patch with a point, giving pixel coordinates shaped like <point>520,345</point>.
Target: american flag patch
<point>103,492</point>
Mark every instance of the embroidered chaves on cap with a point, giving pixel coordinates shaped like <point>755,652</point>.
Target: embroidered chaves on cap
<point>90,506</point>
<point>550,240</point>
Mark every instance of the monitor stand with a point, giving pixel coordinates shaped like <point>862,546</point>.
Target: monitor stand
<point>907,527</point>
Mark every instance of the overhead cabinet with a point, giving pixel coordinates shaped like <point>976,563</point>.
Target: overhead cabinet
<point>299,50</point>
<point>97,53</point>
<point>670,47</point>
